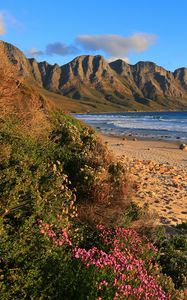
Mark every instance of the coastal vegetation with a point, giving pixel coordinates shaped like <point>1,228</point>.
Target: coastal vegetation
<point>69,228</point>
<point>67,220</point>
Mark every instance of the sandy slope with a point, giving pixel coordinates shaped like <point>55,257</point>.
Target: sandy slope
<point>160,170</point>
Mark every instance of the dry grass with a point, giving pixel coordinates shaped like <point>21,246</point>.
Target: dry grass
<point>110,199</point>
<point>21,102</point>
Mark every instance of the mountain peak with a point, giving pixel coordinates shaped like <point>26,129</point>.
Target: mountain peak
<point>87,57</point>
<point>120,66</point>
<point>12,56</point>
<point>91,78</point>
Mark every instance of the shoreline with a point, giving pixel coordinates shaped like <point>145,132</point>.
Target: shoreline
<point>159,170</point>
<point>167,139</point>
<point>128,111</point>
<point>164,125</point>
<point>161,151</point>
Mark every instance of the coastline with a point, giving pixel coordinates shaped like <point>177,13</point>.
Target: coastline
<point>161,151</point>
<point>164,126</point>
<point>127,111</point>
<point>159,170</point>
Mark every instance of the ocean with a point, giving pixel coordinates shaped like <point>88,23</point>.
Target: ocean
<point>150,125</point>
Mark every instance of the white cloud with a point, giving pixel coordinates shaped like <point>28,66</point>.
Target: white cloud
<point>2,24</point>
<point>111,59</point>
<point>34,52</point>
<point>116,45</point>
<point>57,48</point>
<point>61,49</point>
<point>7,20</point>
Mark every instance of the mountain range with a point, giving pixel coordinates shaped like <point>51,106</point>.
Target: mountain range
<point>89,83</point>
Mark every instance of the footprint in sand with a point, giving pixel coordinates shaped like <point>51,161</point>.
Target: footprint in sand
<point>168,207</point>
<point>174,219</point>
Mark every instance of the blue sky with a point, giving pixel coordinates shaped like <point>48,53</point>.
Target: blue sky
<point>57,31</point>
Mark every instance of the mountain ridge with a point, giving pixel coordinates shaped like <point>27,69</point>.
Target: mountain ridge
<point>93,81</point>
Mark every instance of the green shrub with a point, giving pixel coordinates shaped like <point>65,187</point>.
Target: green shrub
<point>172,258</point>
<point>68,181</point>
<point>45,180</point>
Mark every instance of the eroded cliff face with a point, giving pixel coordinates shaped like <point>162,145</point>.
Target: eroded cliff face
<point>181,76</point>
<point>12,57</point>
<point>151,81</point>
<point>18,95</point>
<point>89,74</point>
<point>92,77</point>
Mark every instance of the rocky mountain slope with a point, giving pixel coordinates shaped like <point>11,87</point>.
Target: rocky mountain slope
<point>95,84</point>
<point>19,91</point>
<point>149,81</point>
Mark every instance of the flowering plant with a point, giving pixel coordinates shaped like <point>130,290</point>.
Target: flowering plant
<point>124,270</point>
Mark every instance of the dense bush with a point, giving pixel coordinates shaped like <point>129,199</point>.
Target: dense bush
<point>55,188</point>
<point>46,180</point>
<point>173,259</point>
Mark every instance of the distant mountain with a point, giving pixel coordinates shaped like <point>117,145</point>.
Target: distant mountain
<point>96,85</point>
<point>148,81</point>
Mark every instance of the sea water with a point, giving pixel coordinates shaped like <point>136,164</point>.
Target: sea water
<point>155,125</point>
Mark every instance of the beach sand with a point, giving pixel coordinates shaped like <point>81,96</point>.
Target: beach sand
<point>159,170</point>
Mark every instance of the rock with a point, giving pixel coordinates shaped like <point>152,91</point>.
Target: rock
<point>164,220</point>
<point>163,169</point>
<point>152,194</point>
<point>183,147</point>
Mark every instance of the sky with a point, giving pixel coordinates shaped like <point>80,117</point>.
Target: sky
<point>133,30</point>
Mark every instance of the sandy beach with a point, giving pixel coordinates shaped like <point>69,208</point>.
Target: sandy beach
<point>159,169</point>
